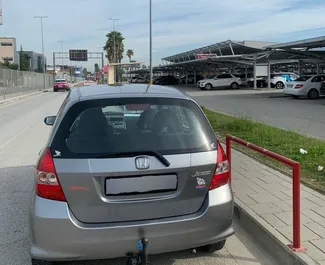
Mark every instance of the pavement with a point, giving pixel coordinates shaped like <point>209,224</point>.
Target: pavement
<point>267,193</point>
<point>22,136</point>
<point>269,106</point>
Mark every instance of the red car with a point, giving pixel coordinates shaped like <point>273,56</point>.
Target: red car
<point>61,84</point>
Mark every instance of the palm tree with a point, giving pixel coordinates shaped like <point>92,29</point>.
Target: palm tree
<point>119,46</point>
<point>129,53</point>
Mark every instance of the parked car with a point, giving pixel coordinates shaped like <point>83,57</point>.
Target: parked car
<point>166,80</point>
<point>322,88</point>
<point>100,187</point>
<point>61,84</point>
<point>279,80</point>
<point>305,86</point>
<point>190,79</point>
<point>260,81</point>
<point>138,79</point>
<point>220,81</point>
<point>243,79</point>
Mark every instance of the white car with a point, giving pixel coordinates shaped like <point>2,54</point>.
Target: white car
<point>305,86</point>
<point>222,80</point>
<point>138,80</point>
<point>279,80</point>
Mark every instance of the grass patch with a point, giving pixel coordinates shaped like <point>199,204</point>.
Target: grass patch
<point>287,143</point>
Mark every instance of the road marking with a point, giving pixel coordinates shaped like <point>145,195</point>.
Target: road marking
<point>14,137</point>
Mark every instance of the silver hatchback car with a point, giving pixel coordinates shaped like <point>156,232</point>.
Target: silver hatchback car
<point>123,163</point>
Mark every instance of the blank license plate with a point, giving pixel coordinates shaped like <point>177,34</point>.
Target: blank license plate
<point>138,185</point>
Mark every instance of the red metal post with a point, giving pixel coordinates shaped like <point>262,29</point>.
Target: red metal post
<point>296,242</point>
<point>228,151</point>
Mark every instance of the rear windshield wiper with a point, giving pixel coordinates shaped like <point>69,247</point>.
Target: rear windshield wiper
<point>156,154</point>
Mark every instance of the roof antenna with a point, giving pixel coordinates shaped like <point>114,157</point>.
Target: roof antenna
<point>150,48</point>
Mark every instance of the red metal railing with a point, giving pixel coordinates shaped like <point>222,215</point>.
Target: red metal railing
<point>296,242</point>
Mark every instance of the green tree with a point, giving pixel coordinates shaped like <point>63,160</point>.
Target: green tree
<point>85,72</point>
<point>23,60</point>
<point>97,68</point>
<point>8,65</point>
<point>119,46</point>
<point>129,53</point>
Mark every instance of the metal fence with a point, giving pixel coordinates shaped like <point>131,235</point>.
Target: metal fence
<point>14,83</point>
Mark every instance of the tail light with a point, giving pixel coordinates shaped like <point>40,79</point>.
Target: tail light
<point>299,86</point>
<point>47,181</point>
<point>221,174</point>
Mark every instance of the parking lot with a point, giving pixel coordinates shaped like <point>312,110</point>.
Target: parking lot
<point>268,106</point>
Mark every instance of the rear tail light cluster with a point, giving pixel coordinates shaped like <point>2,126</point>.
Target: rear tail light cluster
<point>221,174</point>
<point>47,181</point>
<point>299,86</point>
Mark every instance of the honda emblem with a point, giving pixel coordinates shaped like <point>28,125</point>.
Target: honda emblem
<point>142,162</point>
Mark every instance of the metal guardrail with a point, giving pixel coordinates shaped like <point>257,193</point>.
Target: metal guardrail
<point>296,242</point>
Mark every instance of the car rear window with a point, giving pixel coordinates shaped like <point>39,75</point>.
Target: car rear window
<point>107,128</point>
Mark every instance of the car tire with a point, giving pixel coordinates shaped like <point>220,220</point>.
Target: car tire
<point>208,86</point>
<point>313,94</point>
<point>55,90</point>
<point>213,247</point>
<point>41,262</point>
<point>234,85</point>
<point>279,85</point>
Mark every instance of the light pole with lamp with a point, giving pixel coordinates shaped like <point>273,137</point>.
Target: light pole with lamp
<point>114,43</point>
<point>42,35</point>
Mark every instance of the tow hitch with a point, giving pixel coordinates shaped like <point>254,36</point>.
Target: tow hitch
<point>142,256</point>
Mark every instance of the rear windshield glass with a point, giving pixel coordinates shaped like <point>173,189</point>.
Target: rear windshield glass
<point>60,81</point>
<point>105,128</point>
<point>303,78</point>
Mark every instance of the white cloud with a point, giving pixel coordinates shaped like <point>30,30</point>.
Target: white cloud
<point>178,25</point>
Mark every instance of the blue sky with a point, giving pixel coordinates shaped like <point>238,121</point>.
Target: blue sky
<point>177,25</point>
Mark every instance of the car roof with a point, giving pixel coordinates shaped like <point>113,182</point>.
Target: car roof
<point>128,90</point>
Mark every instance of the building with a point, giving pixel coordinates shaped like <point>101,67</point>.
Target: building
<point>37,61</point>
<point>8,50</point>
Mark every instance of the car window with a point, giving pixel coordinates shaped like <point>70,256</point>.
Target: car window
<point>318,79</point>
<point>108,127</point>
<point>303,78</point>
<point>223,76</point>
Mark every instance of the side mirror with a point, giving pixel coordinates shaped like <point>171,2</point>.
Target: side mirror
<point>49,120</point>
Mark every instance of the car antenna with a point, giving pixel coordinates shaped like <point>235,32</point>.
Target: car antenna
<point>150,46</point>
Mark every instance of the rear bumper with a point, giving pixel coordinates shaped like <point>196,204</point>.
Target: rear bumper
<point>57,236</point>
<point>293,92</point>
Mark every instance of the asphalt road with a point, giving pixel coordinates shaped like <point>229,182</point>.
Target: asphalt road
<point>303,115</point>
<point>22,135</point>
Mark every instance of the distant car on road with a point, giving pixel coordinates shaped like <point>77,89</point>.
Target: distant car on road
<point>166,80</point>
<point>121,164</point>
<point>305,86</point>
<point>61,84</point>
<point>138,79</point>
<point>222,80</point>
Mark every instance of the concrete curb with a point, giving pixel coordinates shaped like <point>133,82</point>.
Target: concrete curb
<point>267,236</point>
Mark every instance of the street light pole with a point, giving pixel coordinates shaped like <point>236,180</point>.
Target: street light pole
<point>62,43</point>
<point>150,48</point>
<point>42,35</point>
<point>114,48</point>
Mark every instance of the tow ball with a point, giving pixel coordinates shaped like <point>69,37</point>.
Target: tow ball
<point>142,256</point>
